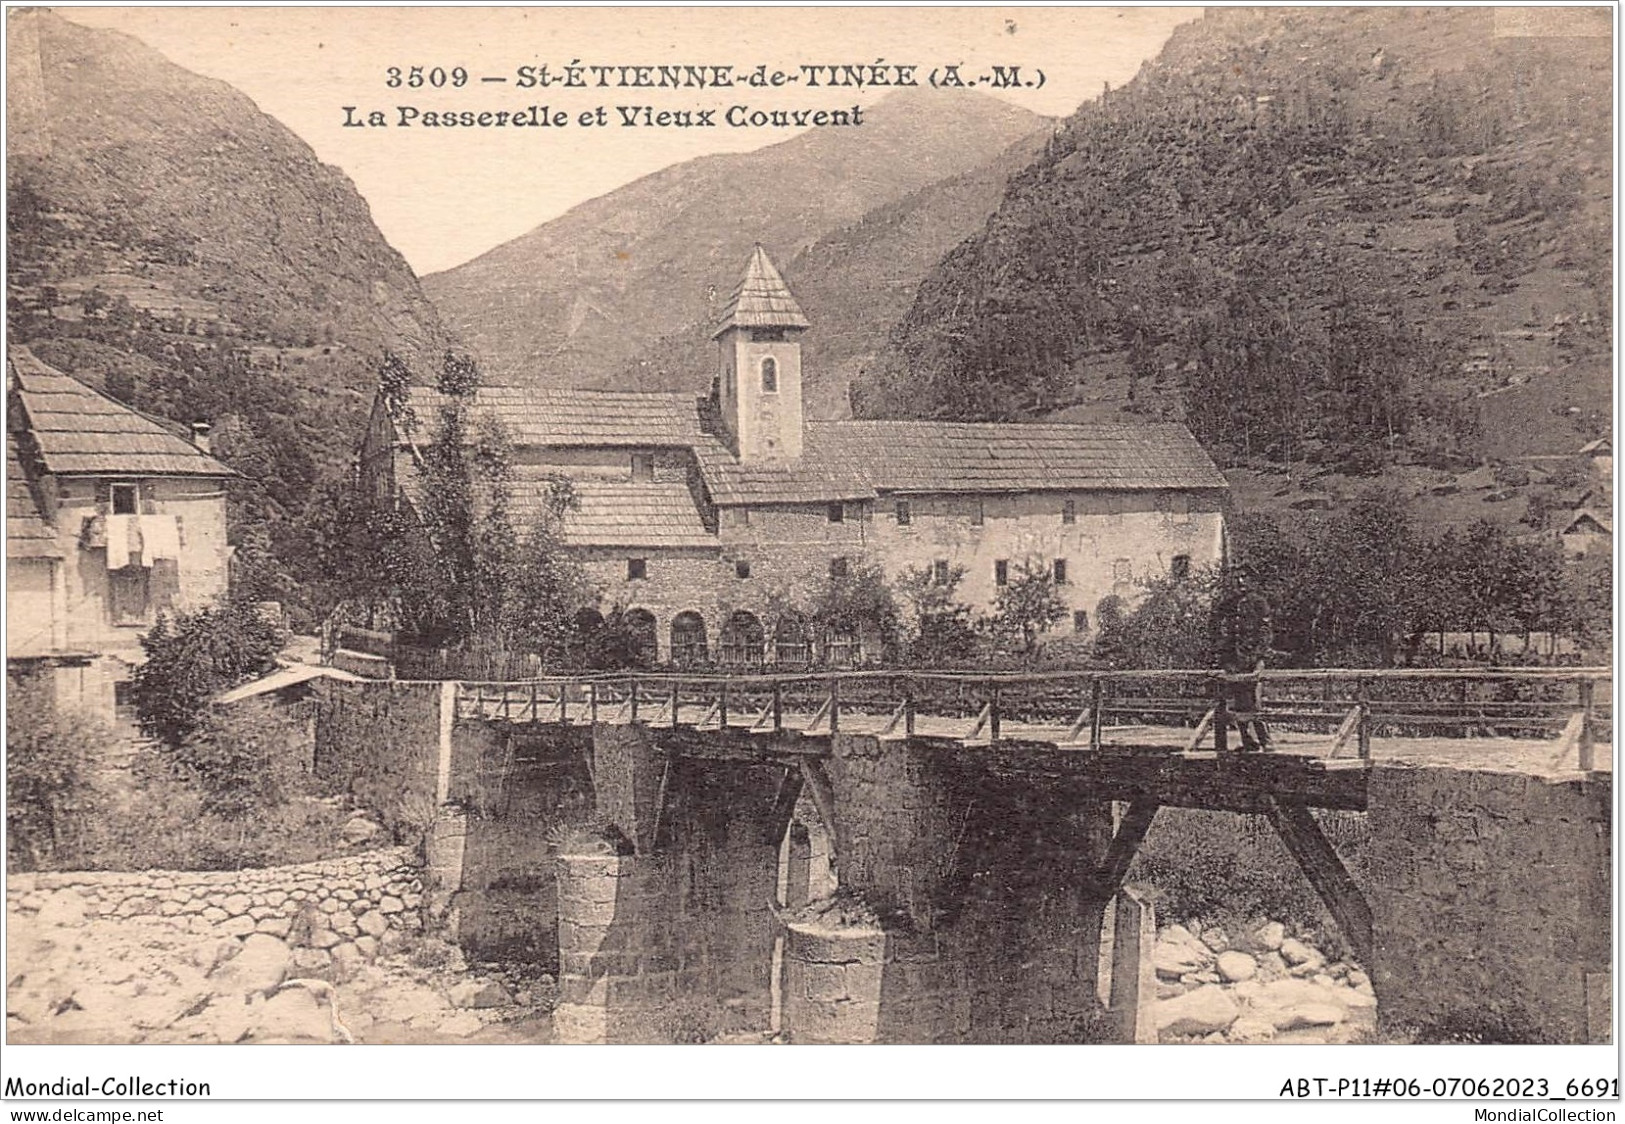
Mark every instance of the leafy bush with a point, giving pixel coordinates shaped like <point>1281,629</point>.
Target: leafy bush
<point>48,759</point>
<point>191,659</point>
<point>1028,606</point>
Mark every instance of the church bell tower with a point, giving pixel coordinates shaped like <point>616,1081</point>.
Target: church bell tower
<point>759,352</point>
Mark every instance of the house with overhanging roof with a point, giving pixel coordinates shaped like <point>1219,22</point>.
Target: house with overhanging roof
<point>714,521</point>
<point>112,518</point>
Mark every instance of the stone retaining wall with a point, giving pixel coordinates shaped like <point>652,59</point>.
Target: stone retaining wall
<point>321,905</point>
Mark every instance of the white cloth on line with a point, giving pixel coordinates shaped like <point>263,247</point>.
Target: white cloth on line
<point>121,530</point>
<point>160,538</point>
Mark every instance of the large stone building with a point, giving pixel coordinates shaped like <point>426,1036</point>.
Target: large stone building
<point>714,521</point>
<point>111,519</point>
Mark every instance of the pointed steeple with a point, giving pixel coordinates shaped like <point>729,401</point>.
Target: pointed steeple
<point>762,299</point>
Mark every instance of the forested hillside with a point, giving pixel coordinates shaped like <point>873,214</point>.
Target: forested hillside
<point>178,249</point>
<point>1351,237</point>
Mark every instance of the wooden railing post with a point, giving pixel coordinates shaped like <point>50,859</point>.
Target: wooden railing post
<point>676,691</point>
<point>592,703</point>
<point>908,711</point>
<point>1221,715</point>
<point>1588,711</point>
<point>993,714</point>
<point>1097,699</point>
<point>834,705</point>
<point>1363,695</point>
<point>722,707</point>
<point>564,702</point>
<point>778,706</point>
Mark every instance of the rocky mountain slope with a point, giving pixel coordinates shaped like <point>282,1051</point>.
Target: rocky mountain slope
<point>1331,237</point>
<point>175,246</point>
<point>580,300</point>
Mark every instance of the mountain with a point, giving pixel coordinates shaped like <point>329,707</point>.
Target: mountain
<point>174,246</point>
<point>1330,239</point>
<point>854,284</point>
<point>577,299</point>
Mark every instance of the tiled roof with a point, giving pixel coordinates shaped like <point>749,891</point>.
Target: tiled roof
<point>607,512</point>
<point>640,513</point>
<point>851,459</point>
<point>762,299</point>
<point>812,479</point>
<point>1578,520</point>
<point>533,416</point>
<point>28,535</point>
<point>82,433</point>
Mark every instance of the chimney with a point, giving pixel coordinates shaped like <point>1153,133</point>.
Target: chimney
<point>200,435</point>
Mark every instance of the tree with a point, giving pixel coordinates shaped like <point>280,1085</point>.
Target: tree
<point>1028,605</point>
<point>192,658</point>
<point>857,603</point>
<point>941,630</point>
<point>48,757</point>
<point>1168,628</point>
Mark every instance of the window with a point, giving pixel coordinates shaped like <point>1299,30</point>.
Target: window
<point>770,375</point>
<point>1080,620</point>
<point>1180,567</point>
<point>125,499</point>
<point>1060,571</point>
<point>939,572</point>
<point>1069,511</point>
<point>978,514</point>
<point>837,512</point>
<point>1122,570</point>
<point>837,567</point>
<point>1001,572</point>
<point>904,514</point>
<point>637,569</point>
<point>1179,506</point>
<point>742,568</point>
<point>124,699</point>
<point>643,466</point>
<point>127,595</point>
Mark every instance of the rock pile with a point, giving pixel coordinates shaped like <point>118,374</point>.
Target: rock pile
<point>1265,987</point>
<point>112,980</point>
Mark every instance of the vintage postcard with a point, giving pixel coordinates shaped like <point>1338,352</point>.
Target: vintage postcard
<point>915,526</point>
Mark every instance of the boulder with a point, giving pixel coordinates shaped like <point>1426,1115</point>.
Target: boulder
<point>1251,1028</point>
<point>293,1015</point>
<point>1202,1011</point>
<point>373,924</point>
<point>1295,952</point>
<point>347,960</point>
<point>1271,966</point>
<point>311,959</point>
<point>478,994</point>
<point>261,966</point>
<point>238,926</point>
<point>1358,978</point>
<point>1217,940</point>
<point>1271,936</point>
<point>1237,966</point>
<point>1309,1014</point>
<point>360,830</point>
<point>1176,958</point>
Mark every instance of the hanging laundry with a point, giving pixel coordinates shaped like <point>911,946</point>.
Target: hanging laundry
<point>121,532</point>
<point>160,537</point>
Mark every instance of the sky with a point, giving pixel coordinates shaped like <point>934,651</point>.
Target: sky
<point>445,195</point>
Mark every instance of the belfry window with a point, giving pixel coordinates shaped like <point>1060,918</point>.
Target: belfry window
<point>770,375</point>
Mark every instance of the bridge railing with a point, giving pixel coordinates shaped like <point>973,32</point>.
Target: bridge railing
<point>1347,705</point>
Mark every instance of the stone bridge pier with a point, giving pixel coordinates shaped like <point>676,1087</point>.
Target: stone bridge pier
<point>666,903</point>
<point>967,910</point>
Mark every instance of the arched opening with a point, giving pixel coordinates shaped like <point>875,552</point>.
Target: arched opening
<point>770,375</point>
<point>842,649</point>
<point>640,628</point>
<point>742,642</point>
<point>790,641</point>
<point>688,639</point>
